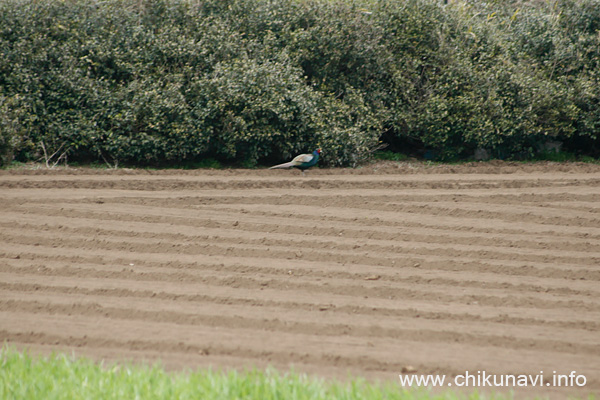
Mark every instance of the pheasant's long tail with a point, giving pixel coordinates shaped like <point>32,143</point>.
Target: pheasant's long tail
<point>284,165</point>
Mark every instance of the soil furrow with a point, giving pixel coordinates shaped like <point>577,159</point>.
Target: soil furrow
<point>414,275</point>
<point>231,237</point>
<point>311,328</point>
<point>316,303</point>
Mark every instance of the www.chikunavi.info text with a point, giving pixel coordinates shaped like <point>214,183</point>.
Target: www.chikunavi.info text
<point>483,379</point>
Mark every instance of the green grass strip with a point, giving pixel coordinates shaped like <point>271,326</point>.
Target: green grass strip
<point>23,376</point>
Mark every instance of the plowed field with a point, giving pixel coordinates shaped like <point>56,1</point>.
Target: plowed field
<point>444,269</point>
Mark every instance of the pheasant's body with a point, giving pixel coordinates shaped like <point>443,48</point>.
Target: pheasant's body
<point>302,162</point>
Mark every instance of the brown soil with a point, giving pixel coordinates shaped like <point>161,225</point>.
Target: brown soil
<point>484,267</point>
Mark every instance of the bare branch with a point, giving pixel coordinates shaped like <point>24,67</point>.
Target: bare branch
<point>48,159</point>
<point>115,165</point>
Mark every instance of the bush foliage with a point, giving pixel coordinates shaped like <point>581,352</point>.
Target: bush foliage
<point>155,82</point>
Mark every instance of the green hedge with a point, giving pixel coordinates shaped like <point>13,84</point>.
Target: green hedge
<point>159,82</point>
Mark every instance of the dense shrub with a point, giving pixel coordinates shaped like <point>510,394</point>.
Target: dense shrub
<point>157,82</point>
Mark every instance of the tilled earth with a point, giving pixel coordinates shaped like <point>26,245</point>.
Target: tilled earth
<point>370,272</point>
